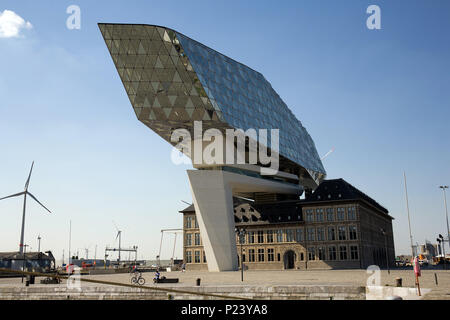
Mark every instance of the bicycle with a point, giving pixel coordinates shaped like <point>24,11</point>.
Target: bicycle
<point>137,279</point>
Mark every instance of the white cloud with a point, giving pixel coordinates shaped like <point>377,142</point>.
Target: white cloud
<point>11,24</point>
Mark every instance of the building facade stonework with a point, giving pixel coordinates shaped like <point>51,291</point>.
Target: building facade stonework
<point>335,227</point>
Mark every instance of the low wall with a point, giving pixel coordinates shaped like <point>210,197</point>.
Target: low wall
<point>61,292</point>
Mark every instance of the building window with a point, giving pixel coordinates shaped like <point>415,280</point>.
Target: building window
<point>351,213</point>
<point>309,215</point>
<point>330,214</point>
<point>189,239</point>
<point>188,257</point>
<point>270,254</point>
<point>260,255</point>
<point>204,257</point>
<point>302,256</point>
<point>279,235</point>
<point>310,234</point>
<point>278,257</point>
<point>321,253</point>
<point>243,257</point>
<point>342,233</point>
<point>270,236</point>
<point>331,234</point>
<point>260,236</point>
<point>311,253</point>
<point>197,256</point>
<point>299,235</point>
<point>340,214</point>
<point>251,255</point>
<point>352,234</point>
<point>320,234</point>
<point>332,253</point>
<point>251,237</point>
<point>289,235</point>
<point>196,223</point>
<point>319,215</point>
<point>342,252</point>
<point>189,222</point>
<point>197,239</point>
<point>354,252</point>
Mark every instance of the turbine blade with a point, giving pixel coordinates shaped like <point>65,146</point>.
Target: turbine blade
<point>38,201</point>
<point>29,176</point>
<point>115,225</point>
<point>13,195</point>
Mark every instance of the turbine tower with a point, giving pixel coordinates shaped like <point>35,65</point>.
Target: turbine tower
<point>25,193</point>
<point>119,235</point>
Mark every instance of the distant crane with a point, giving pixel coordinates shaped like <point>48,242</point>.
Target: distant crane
<point>25,193</point>
<point>174,231</point>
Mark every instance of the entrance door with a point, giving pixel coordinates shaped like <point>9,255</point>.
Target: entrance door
<point>289,259</point>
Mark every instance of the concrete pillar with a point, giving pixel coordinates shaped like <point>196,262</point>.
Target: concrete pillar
<point>212,192</point>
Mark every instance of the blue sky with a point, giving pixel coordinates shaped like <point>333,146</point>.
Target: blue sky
<point>380,97</point>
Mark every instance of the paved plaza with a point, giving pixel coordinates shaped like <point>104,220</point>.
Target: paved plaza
<point>291,277</point>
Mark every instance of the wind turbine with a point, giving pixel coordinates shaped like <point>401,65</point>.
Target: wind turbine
<point>25,193</point>
<point>119,235</point>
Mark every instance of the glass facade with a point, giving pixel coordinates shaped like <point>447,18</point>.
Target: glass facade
<point>172,81</point>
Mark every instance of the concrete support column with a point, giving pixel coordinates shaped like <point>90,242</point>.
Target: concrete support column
<point>212,193</point>
<point>213,202</point>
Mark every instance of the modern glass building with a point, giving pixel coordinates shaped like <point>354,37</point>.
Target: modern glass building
<point>172,81</point>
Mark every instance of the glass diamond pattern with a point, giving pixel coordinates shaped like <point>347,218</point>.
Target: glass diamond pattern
<point>172,81</point>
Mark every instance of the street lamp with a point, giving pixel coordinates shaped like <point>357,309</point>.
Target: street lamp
<point>24,257</point>
<point>441,239</point>
<point>386,249</point>
<point>446,214</point>
<point>241,234</point>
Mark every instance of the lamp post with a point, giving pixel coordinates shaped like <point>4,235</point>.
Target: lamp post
<point>446,215</point>
<point>241,234</point>
<point>441,239</point>
<point>24,257</point>
<point>39,243</point>
<point>386,249</point>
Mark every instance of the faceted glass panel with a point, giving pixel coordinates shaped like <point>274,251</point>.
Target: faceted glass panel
<point>179,81</point>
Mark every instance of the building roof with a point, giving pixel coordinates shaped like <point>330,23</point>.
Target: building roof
<point>263,213</point>
<point>188,209</point>
<point>333,190</point>
<point>338,190</point>
<point>29,256</point>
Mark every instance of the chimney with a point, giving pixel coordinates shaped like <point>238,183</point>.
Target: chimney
<point>308,193</point>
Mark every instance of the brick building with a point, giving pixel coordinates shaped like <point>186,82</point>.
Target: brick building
<point>337,226</point>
